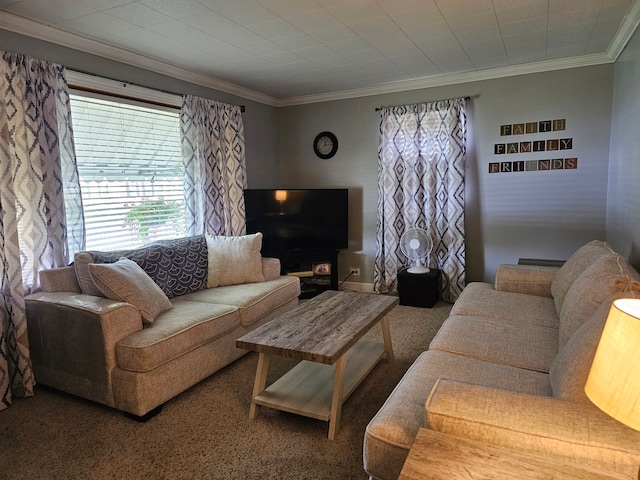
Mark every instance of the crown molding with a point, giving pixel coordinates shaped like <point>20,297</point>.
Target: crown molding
<point>31,28</point>
<point>452,79</point>
<point>47,33</point>
<point>626,30</point>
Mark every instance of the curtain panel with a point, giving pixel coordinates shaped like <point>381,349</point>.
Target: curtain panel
<point>213,152</point>
<point>41,222</point>
<point>421,173</point>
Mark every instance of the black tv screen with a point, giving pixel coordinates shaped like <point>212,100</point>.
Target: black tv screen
<point>298,219</point>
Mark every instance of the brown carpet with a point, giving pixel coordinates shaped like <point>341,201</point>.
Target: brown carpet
<point>205,433</point>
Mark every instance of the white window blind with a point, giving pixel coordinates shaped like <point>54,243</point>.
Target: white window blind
<point>131,173</point>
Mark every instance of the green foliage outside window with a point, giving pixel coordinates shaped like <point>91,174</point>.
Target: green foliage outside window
<point>143,219</point>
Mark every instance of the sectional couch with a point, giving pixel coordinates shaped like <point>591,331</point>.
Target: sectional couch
<point>132,329</point>
<point>509,365</point>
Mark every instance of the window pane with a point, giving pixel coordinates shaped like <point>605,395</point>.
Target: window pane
<point>131,172</point>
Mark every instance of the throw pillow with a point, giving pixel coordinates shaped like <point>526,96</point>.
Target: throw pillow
<point>234,259</point>
<point>126,281</point>
<point>151,259</point>
<point>187,261</point>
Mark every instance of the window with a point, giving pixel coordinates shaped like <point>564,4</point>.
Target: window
<point>131,172</point>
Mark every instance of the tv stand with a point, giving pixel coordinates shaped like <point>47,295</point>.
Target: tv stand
<point>301,264</point>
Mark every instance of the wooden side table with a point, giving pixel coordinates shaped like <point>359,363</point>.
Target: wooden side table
<point>440,456</point>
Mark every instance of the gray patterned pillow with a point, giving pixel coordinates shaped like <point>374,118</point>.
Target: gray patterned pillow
<point>187,265</point>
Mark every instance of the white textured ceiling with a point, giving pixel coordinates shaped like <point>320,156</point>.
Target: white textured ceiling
<point>283,50</point>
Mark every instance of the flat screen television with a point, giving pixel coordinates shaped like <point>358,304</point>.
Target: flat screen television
<point>299,219</point>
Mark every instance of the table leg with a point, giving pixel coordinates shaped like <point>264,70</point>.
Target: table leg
<point>386,335</point>
<point>260,382</point>
<point>338,396</point>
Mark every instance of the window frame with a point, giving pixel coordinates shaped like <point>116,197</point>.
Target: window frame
<point>92,86</point>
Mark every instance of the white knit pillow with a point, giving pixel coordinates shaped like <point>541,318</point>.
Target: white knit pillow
<point>234,259</point>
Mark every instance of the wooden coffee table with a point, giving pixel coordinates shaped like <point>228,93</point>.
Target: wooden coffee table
<point>323,332</point>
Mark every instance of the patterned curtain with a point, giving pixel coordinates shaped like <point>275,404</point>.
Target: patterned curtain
<point>41,222</point>
<point>215,171</point>
<point>421,166</point>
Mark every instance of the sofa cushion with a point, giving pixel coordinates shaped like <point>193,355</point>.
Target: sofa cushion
<point>187,265</point>
<point>541,425</point>
<point>577,263</point>
<point>175,332</point>
<point>608,275</point>
<point>390,434</point>
<point>520,345</point>
<point>81,263</point>
<point>254,300</point>
<point>570,368</point>
<point>125,281</point>
<point>234,260</point>
<point>480,299</point>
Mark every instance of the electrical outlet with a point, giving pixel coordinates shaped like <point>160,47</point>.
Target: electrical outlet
<point>355,271</point>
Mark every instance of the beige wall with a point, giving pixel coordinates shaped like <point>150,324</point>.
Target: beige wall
<point>623,205</point>
<point>508,216</point>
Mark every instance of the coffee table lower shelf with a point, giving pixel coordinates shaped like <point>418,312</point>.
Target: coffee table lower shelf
<point>308,388</point>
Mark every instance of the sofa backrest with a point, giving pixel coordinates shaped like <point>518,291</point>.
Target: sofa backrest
<point>573,268</point>
<point>177,266</point>
<point>607,276</point>
<point>570,369</point>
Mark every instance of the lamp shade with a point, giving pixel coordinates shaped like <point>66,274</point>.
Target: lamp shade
<point>614,380</point>
<point>281,195</point>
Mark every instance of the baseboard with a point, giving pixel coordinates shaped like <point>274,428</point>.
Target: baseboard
<point>356,287</point>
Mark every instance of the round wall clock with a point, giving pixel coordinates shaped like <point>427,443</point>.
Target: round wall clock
<point>325,145</point>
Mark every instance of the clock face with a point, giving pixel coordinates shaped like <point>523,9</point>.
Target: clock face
<point>325,145</point>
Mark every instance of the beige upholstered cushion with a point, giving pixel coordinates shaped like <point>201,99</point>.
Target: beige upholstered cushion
<point>254,300</point>
<point>480,299</point>
<point>174,333</point>
<point>126,281</point>
<point>81,263</point>
<point>234,259</point>
<point>570,368</point>
<point>608,275</point>
<point>578,432</point>
<point>521,345</point>
<point>573,267</point>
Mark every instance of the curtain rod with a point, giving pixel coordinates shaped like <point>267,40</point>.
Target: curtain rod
<point>444,100</point>
<point>128,97</point>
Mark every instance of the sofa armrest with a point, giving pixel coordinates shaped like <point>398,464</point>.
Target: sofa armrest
<point>270,268</point>
<point>72,340</point>
<point>529,279</point>
<point>546,425</point>
<point>62,279</point>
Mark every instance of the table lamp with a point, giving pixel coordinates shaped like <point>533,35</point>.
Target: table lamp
<point>281,196</point>
<point>614,379</point>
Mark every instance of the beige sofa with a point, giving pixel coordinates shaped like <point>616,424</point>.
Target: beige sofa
<point>509,365</point>
<point>133,329</point>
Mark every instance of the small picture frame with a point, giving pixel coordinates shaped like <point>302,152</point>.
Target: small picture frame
<point>321,268</point>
